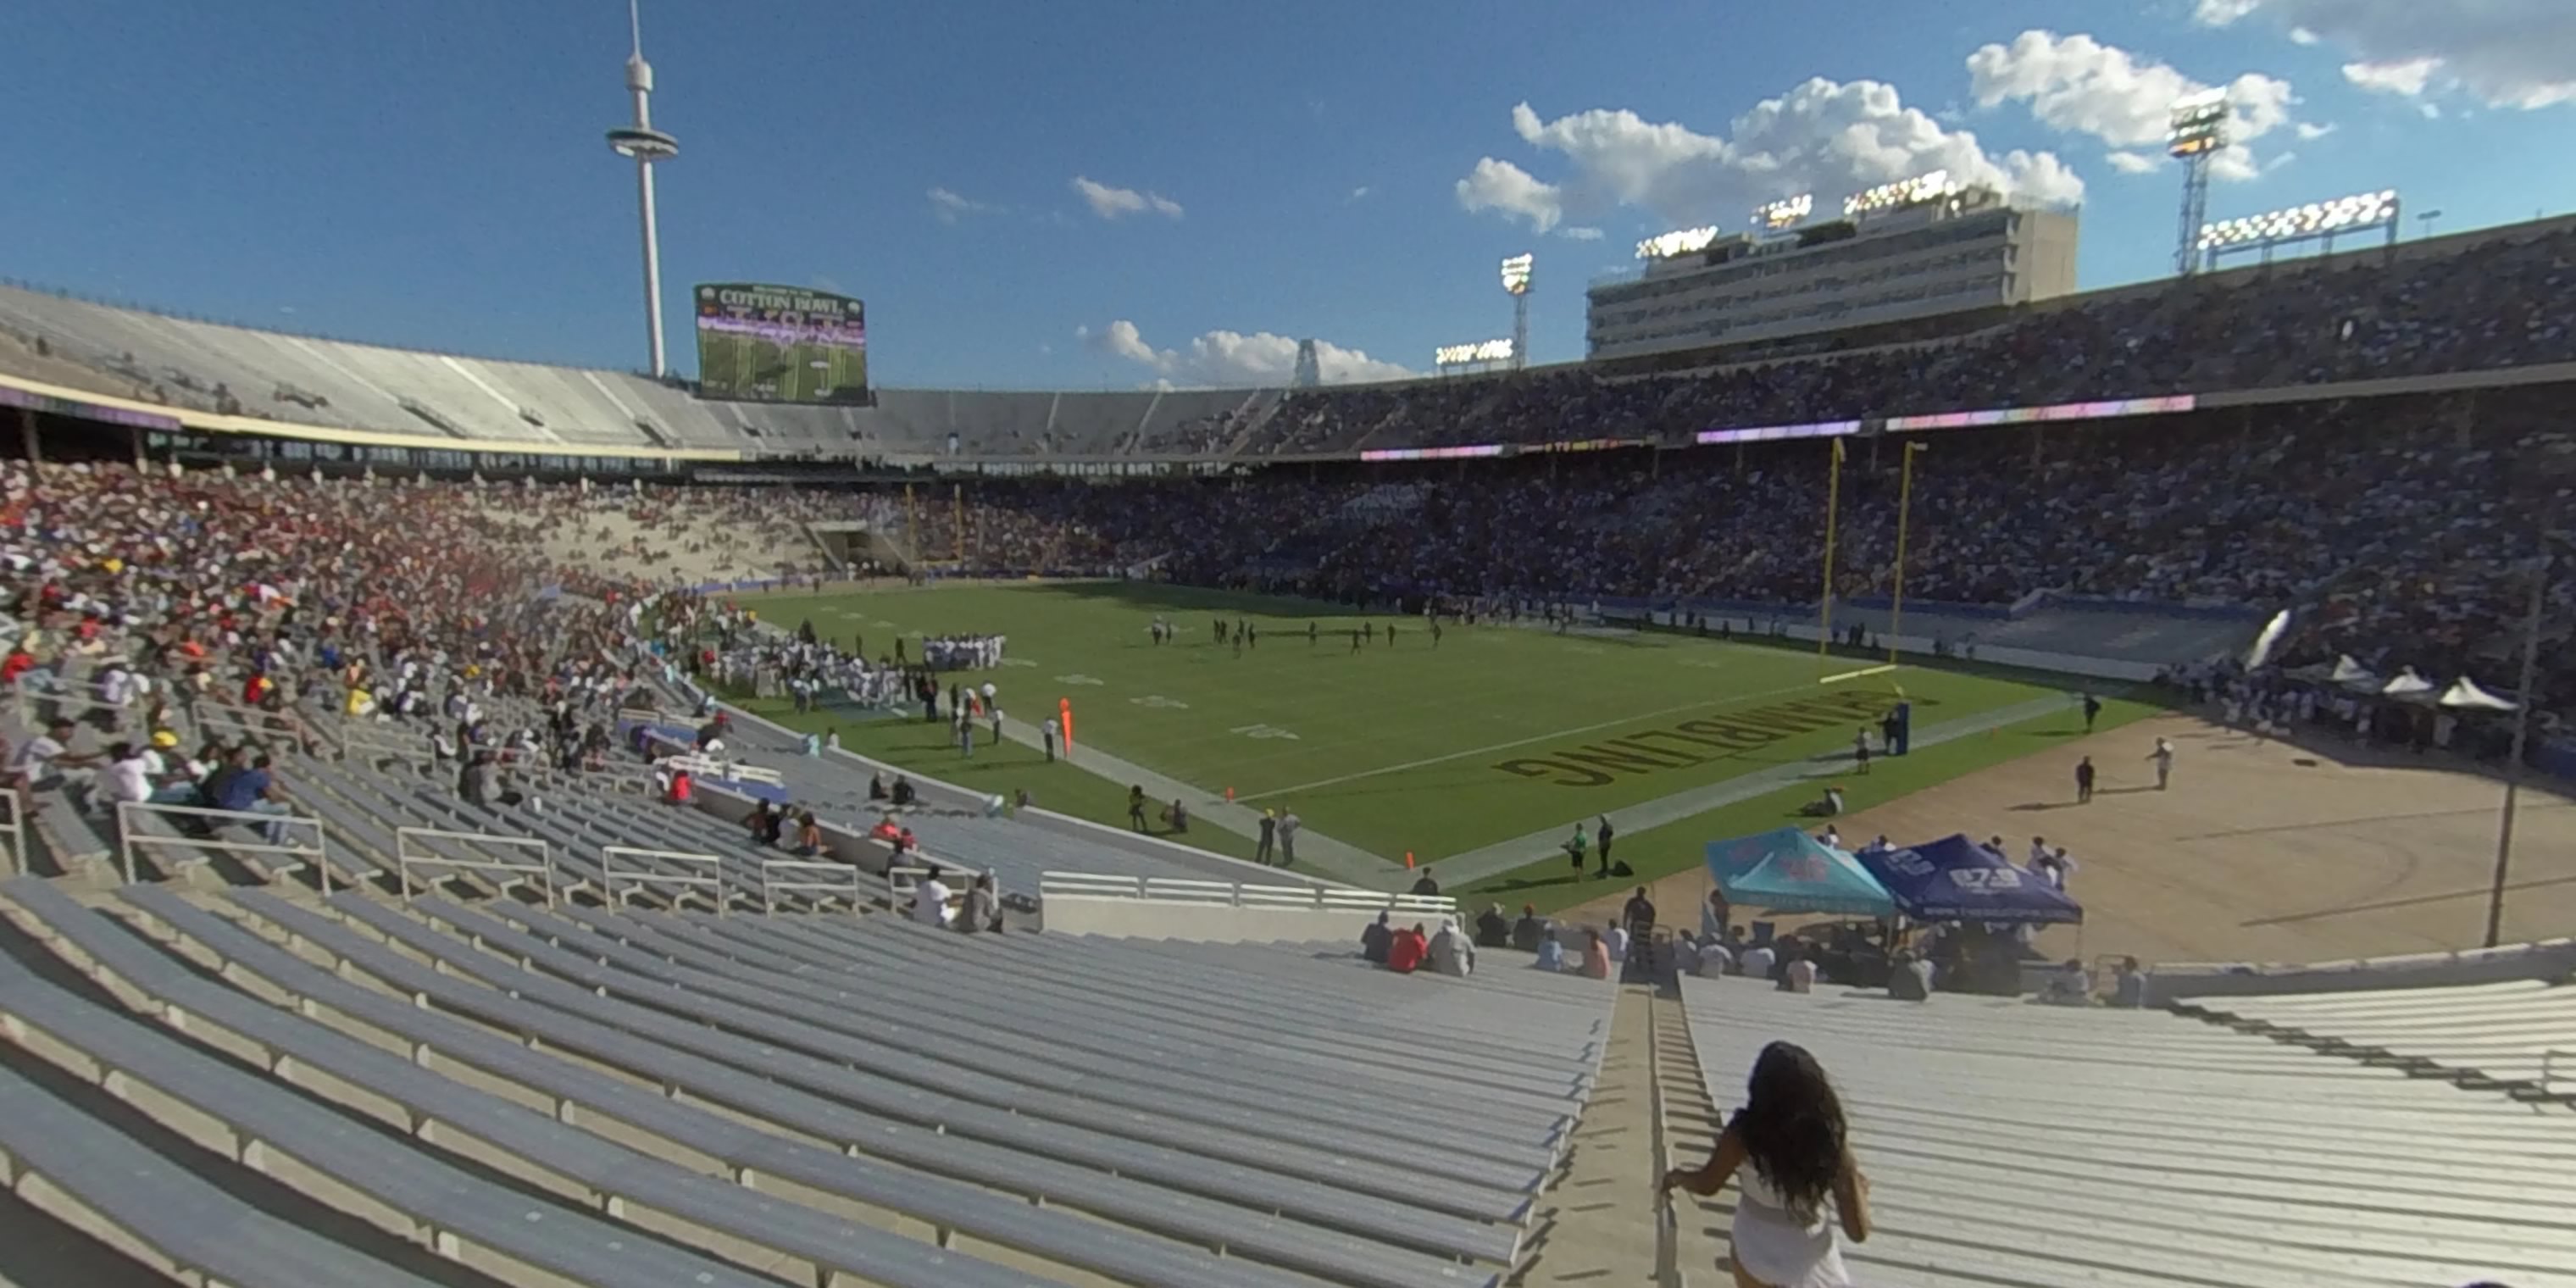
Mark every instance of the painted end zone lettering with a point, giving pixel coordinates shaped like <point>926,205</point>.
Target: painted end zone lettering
<point>1585,765</point>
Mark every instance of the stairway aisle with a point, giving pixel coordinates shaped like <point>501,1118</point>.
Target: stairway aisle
<point>1598,1224</point>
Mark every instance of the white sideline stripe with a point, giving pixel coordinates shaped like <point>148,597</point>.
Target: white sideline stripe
<point>1880,669</point>
<point>1730,700</point>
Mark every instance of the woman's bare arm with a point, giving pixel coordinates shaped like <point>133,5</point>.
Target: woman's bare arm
<point>1710,1177</point>
<point>1851,1199</point>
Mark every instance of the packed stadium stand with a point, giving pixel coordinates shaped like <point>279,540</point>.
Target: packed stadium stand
<point>2016,1144</point>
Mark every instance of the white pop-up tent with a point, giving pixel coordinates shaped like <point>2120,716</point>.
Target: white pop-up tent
<point>2408,687</point>
<point>2353,675</point>
<point>2464,694</point>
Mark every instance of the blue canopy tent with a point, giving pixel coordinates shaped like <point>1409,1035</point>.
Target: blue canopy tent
<point>1956,879</point>
<point>1790,871</point>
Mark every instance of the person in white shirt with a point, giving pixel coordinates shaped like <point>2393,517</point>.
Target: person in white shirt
<point>117,687</point>
<point>2038,851</point>
<point>1714,959</point>
<point>1801,975</point>
<point>1757,962</point>
<point>2071,985</point>
<point>128,775</point>
<point>40,760</point>
<point>2163,756</point>
<point>2055,869</point>
<point>930,901</point>
<point>1617,942</point>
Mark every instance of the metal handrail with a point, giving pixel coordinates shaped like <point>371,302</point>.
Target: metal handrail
<point>1104,885</point>
<point>129,836</point>
<point>405,838</point>
<point>643,877</point>
<point>846,880</point>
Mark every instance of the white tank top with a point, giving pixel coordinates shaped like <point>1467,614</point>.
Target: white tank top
<point>1776,1247</point>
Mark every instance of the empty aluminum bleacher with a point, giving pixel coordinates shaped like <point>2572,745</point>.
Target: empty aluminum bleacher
<point>2015,1144</point>
<point>954,1130</point>
<point>2516,1034</point>
<point>450,1207</point>
<point>906,1088</point>
<point>876,1176</point>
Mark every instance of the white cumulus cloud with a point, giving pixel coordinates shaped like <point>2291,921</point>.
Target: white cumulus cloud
<point>1118,203</point>
<point>948,207</point>
<point>2409,77</point>
<point>1500,185</point>
<point>2133,162</point>
<point>1825,137</point>
<point>1579,232</point>
<point>1227,359</point>
<point>2503,53</point>
<point>2081,86</point>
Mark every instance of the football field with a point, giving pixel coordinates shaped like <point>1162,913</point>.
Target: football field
<point>1494,734</point>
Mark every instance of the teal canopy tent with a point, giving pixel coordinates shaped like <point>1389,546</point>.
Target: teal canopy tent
<point>1790,871</point>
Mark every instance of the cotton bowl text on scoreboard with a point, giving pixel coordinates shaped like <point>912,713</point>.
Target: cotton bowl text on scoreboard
<point>763,343</point>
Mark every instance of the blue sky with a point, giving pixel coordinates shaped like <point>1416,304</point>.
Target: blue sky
<point>435,175</point>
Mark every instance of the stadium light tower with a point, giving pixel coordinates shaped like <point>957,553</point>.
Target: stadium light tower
<point>2197,129</point>
<point>1516,283</point>
<point>645,145</point>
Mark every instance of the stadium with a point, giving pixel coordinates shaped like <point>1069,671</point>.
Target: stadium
<point>476,821</point>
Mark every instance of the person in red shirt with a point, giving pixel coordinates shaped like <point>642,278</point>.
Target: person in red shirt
<point>1405,952</point>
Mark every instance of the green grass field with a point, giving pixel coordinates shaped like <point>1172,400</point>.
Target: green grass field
<point>1498,733</point>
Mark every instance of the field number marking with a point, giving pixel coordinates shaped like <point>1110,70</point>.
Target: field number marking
<point>1265,731</point>
<point>1078,679</point>
<point>1159,702</point>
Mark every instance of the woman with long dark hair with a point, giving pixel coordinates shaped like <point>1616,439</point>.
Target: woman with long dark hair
<point>1788,1151</point>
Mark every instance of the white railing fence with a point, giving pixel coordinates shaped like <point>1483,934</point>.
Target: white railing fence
<point>724,770</point>
<point>820,882</point>
<point>1237,894</point>
<point>421,847</point>
<point>14,828</point>
<point>359,740</point>
<point>636,871</point>
<point>78,701</point>
<point>134,833</point>
<point>900,881</point>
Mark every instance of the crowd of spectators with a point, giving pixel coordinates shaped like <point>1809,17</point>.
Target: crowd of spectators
<point>129,596</point>
<point>2401,531</point>
<point>2509,301</point>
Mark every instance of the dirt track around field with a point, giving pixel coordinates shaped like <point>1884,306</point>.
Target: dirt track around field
<point>2261,850</point>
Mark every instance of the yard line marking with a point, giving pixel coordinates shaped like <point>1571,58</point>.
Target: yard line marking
<point>1881,669</point>
<point>1730,700</point>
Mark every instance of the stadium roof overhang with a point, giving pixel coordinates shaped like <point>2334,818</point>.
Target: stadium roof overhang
<point>85,404</point>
